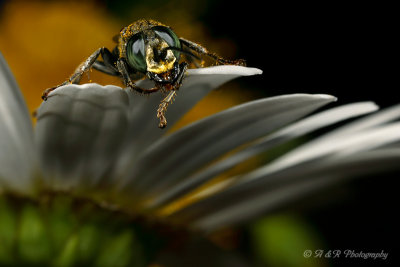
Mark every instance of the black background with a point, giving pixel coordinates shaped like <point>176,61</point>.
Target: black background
<point>346,50</point>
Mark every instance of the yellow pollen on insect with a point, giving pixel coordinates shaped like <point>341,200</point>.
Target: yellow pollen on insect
<point>160,66</point>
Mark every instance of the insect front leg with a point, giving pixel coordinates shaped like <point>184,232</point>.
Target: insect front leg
<point>123,70</point>
<point>162,108</point>
<point>203,51</point>
<point>82,68</point>
<point>108,65</point>
<point>182,69</point>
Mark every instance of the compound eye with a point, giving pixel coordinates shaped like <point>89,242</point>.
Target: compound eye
<point>136,54</point>
<point>169,37</point>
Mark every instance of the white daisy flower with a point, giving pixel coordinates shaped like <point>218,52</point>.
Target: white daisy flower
<point>101,145</point>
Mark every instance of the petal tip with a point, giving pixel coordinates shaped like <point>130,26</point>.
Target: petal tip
<point>327,97</point>
<point>226,69</point>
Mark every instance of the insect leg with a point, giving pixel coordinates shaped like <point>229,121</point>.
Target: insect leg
<point>183,66</point>
<point>108,64</point>
<point>123,70</point>
<point>162,108</point>
<point>202,50</point>
<point>76,76</point>
<point>101,66</point>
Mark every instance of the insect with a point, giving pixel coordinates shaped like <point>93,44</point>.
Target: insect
<point>152,49</point>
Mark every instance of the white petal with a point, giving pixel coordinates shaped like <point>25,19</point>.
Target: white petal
<point>366,140</point>
<point>197,84</point>
<point>342,133</point>
<point>343,157</point>
<point>302,182</point>
<point>17,153</point>
<point>352,145</point>
<point>70,108</point>
<point>289,132</point>
<point>374,120</point>
<point>79,132</point>
<point>327,117</point>
<point>217,75</point>
<point>185,151</point>
<point>143,130</point>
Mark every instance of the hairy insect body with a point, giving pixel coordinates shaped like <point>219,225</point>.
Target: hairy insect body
<point>136,27</point>
<point>152,49</point>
